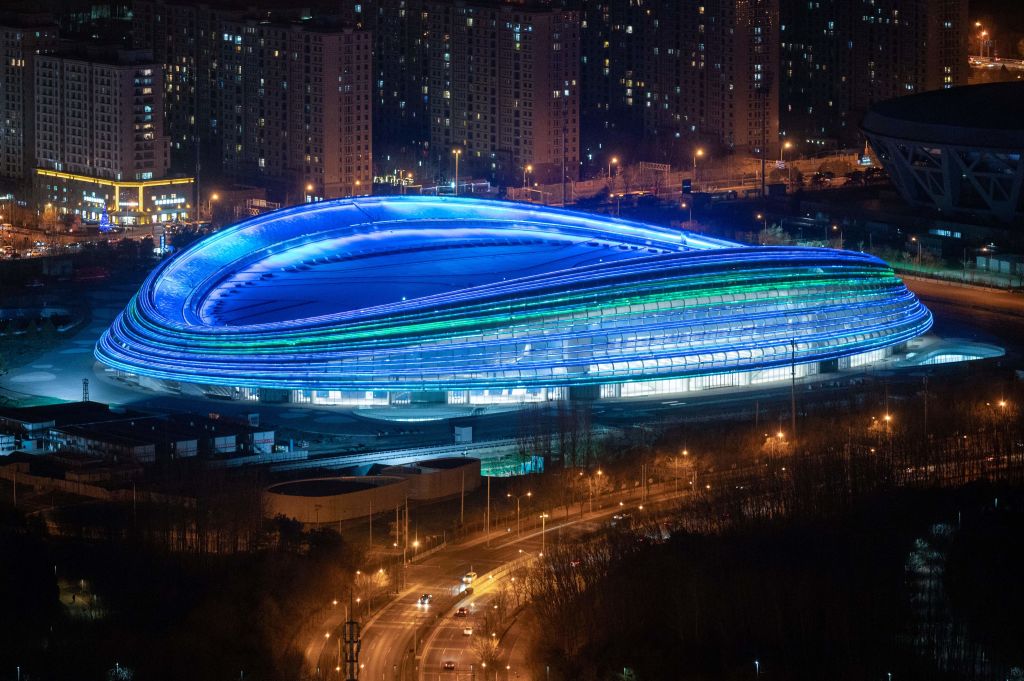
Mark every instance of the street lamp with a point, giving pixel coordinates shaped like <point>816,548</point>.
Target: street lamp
<point>782,150</point>
<point>782,158</point>
<point>590,480</point>
<point>543,531</point>
<point>517,497</point>
<point>209,207</point>
<point>698,153</point>
<point>614,161</point>
<point>457,153</point>
<point>526,169</point>
<point>764,226</point>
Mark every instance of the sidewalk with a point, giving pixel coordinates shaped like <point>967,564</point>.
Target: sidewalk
<point>963,277</point>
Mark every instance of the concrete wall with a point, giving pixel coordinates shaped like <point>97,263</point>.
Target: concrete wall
<point>387,493</point>
<point>426,483</point>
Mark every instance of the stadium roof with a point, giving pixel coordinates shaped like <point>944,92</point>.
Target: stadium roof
<point>990,115</point>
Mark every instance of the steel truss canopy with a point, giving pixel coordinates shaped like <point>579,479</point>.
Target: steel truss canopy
<point>959,151</point>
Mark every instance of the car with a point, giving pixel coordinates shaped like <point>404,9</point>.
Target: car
<point>621,518</point>
<point>462,612</point>
<point>467,631</point>
<point>449,665</point>
<point>468,577</point>
<point>426,598</point>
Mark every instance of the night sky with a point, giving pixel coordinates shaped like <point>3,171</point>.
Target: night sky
<point>1008,14</point>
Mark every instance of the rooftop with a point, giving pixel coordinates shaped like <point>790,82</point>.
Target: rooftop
<point>66,413</point>
<point>988,115</point>
<point>321,488</point>
<point>992,106</point>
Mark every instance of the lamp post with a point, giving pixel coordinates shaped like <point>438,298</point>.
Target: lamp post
<point>782,150</point>
<point>782,158</point>
<point>888,432</point>
<point>544,529</point>
<point>697,153</point>
<point>792,387</point>
<point>613,161</point>
<point>517,497</point>
<point>526,169</point>
<point>591,481</point>
<point>457,153</point>
<point>764,226</point>
<point>209,204</point>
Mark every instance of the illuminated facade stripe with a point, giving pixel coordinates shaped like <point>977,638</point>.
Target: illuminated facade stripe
<point>450,294</point>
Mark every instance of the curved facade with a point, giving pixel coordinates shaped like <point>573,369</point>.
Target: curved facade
<point>365,299</point>
<point>330,500</point>
<point>959,150</point>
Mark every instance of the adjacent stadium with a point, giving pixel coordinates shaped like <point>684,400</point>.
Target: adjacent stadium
<point>959,151</point>
<point>403,300</point>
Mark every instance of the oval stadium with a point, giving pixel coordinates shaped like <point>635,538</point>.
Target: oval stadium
<point>398,300</point>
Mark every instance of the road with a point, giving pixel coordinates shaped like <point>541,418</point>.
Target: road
<point>389,633</point>
<point>986,315</point>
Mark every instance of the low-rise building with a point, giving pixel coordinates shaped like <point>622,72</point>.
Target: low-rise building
<point>95,430</point>
<point>100,148</point>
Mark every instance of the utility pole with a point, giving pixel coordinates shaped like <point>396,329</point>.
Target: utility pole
<point>488,531</point>
<point>198,195</point>
<point>925,379</point>
<point>353,643</point>
<point>792,390</point>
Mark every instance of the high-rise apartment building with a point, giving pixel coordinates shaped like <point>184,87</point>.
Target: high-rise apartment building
<point>504,89</point>
<point>401,120</point>
<point>280,103</point>
<point>661,77</point>
<point>840,56</point>
<point>293,107</point>
<point>99,138</point>
<point>22,38</point>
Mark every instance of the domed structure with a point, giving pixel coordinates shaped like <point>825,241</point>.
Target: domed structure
<point>399,299</point>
